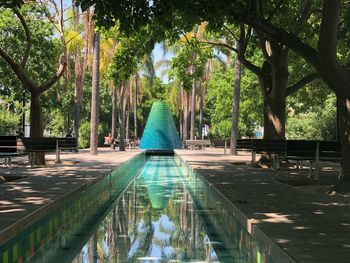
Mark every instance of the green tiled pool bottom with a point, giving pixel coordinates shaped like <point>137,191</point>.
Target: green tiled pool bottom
<point>165,214</point>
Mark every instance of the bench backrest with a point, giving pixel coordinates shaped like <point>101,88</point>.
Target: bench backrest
<point>67,143</point>
<point>269,146</point>
<point>37,144</point>
<point>330,149</point>
<point>48,144</point>
<point>8,144</point>
<point>197,142</point>
<point>219,143</point>
<point>245,144</point>
<point>301,148</point>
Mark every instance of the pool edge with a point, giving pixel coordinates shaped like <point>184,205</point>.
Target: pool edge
<point>14,229</point>
<point>279,254</point>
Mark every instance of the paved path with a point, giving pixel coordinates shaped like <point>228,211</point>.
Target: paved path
<point>309,226</point>
<point>42,187</point>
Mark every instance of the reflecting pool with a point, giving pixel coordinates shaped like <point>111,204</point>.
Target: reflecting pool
<point>165,214</point>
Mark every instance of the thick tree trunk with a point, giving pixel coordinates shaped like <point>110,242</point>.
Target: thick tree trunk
<point>95,95</point>
<point>235,107</point>
<point>275,93</point>
<point>122,117</point>
<point>193,111</point>
<point>201,110</point>
<point>344,109</point>
<point>114,115</point>
<point>274,118</point>
<point>36,127</point>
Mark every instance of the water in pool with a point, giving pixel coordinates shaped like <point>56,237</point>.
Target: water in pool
<point>164,215</point>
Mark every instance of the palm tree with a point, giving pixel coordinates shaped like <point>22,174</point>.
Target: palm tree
<point>108,46</point>
<point>124,87</point>
<point>95,94</point>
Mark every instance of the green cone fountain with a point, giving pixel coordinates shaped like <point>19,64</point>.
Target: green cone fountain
<point>160,131</point>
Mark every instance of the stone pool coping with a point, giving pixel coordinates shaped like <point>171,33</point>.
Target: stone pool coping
<point>43,189</point>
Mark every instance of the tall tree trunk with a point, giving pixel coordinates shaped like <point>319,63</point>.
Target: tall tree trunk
<point>79,73</point>
<point>201,109</point>
<point>193,111</point>
<point>127,126</point>
<point>235,107</point>
<point>36,126</point>
<point>95,95</point>
<point>185,118</point>
<point>78,93</point>
<point>135,108</point>
<point>181,124</point>
<point>122,117</point>
<point>114,113</point>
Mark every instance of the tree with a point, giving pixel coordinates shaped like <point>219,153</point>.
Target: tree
<point>259,15</point>
<point>235,107</point>
<point>188,66</point>
<point>95,94</point>
<point>20,68</point>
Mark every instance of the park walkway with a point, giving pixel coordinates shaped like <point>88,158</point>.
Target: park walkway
<point>41,187</point>
<point>308,224</point>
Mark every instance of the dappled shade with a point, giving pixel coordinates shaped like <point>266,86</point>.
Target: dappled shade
<point>160,131</point>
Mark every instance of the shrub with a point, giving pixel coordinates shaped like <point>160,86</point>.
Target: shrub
<point>9,122</point>
<point>84,135</point>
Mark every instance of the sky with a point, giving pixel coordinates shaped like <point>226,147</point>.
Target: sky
<point>158,56</point>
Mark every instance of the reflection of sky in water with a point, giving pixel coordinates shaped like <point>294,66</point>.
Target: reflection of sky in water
<point>156,220</point>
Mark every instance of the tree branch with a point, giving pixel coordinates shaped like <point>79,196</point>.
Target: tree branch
<point>262,42</point>
<point>249,65</point>
<point>20,73</point>
<point>231,32</point>
<point>286,38</point>
<point>28,36</point>
<point>301,83</point>
<point>220,44</point>
<point>77,34</point>
<point>47,84</point>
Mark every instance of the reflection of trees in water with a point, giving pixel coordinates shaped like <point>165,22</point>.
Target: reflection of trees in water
<point>128,232</point>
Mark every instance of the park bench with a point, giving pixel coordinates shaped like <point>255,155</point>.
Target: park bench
<point>200,143</point>
<point>245,145</point>
<point>8,148</point>
<point>31,146</point>
<point>275,148</point>
<point>329,151</point>
<point>314,152</point>
<point>242,144</point>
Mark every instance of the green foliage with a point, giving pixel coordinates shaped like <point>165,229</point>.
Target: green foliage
<point>219,104</point>
<point>42,61</point>
<point>9,122</point>
<point>84,135</point>
<point>319,123</point>
<point>189,63</point>
<point>129,52</point>
<point>85,131</point>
